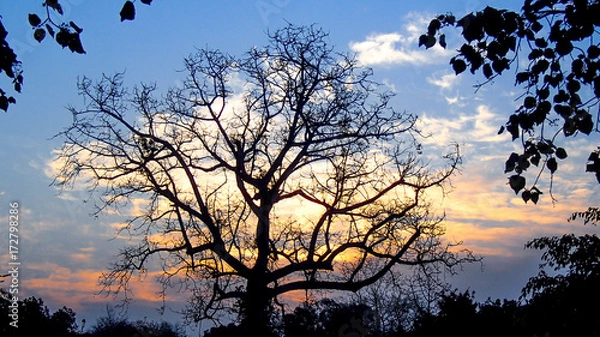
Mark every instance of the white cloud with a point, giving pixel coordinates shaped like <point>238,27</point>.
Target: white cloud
<point>399,48</point>
<point>479,127</point>
<point>445,82</point>
<point>452,100</point>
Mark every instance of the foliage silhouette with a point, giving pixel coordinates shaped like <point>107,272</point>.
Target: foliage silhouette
<point>559,304</point>
<point>329,318</point>
<point>561,84</point>
<point>65,34</point>
<point>11,66</point>
<point>460,315</point>
<point>554,305</point>
<point>590,216</point>
<point>230,330</point>
<point>113,325</point>
<point>35,319</point>
<point>220,166</point>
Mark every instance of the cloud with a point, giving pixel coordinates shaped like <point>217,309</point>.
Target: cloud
<point>478,128</point>
<point>445,82</point>
<point>55,283</point>
<point>75,288</point>
<point>399,48</point>
<point>483,213</point>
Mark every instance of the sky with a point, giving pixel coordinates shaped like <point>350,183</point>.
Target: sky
<point>63,249</point>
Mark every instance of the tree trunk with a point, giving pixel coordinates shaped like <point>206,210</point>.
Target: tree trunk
<point>256,304</point>
<point>256,309</point>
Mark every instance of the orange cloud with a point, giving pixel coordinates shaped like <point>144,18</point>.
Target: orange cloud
<point>490,219</point>
<point>74,288</point>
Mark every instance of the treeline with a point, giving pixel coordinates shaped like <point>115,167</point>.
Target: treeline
<point>35,319</point>
<point>561,300</point>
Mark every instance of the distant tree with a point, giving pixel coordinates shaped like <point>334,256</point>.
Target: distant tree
<point>303,321</point>
<point>116,324</point>
<point>460,315</point>
<point>330,318</point>
<point>35,319</point>
<point>501,318</point>
<point>558,43</point>
<point>305,179</point>
<point>229,330</point>
<point>113,325</point>
<point>401,297</point>
<point>562,303</point>
<point>65,34</point>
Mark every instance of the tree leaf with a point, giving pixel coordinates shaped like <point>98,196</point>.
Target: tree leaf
<point>585,123</point>
<point>4,103</point>
<point>433,27</point>
<point>593,51</point>
<point>62,38</point>
<point>50,30</point>
<point>75,44</point>
<point>535,159</point>
<point>535,196</point>
<point>128,11</point>
<point>522,77</point>
<point>39,34</point>
<point>511,163</point>
<point>529,102</point>
<point>526,195</point>
<point>564,46</point>
<point>74,26</point>
<point>458,65</point>
<point>552,165</point>
<point>34,20</point>
<point>561,153</point>
<point>487,70</point>
<point>146,2</point>
<point>442,41</point>
<point>54,5</point>
<point>423,39</point>
<point>517,183</point>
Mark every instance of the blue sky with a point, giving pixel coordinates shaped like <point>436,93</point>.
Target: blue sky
<point>63,249</point>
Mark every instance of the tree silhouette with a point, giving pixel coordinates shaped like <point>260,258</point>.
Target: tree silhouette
<point>559,304</point>
<point>114,325</point>
<point>591,215</point>
<point>558,43</point>
<point>282,170</point>
<point>398,300</point>
<point>34,318</point>
<point>459,314</point>
<point>329,318</point>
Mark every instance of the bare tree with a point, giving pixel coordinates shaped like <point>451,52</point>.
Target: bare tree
<point>397,300</point>
<point>286,169</point>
